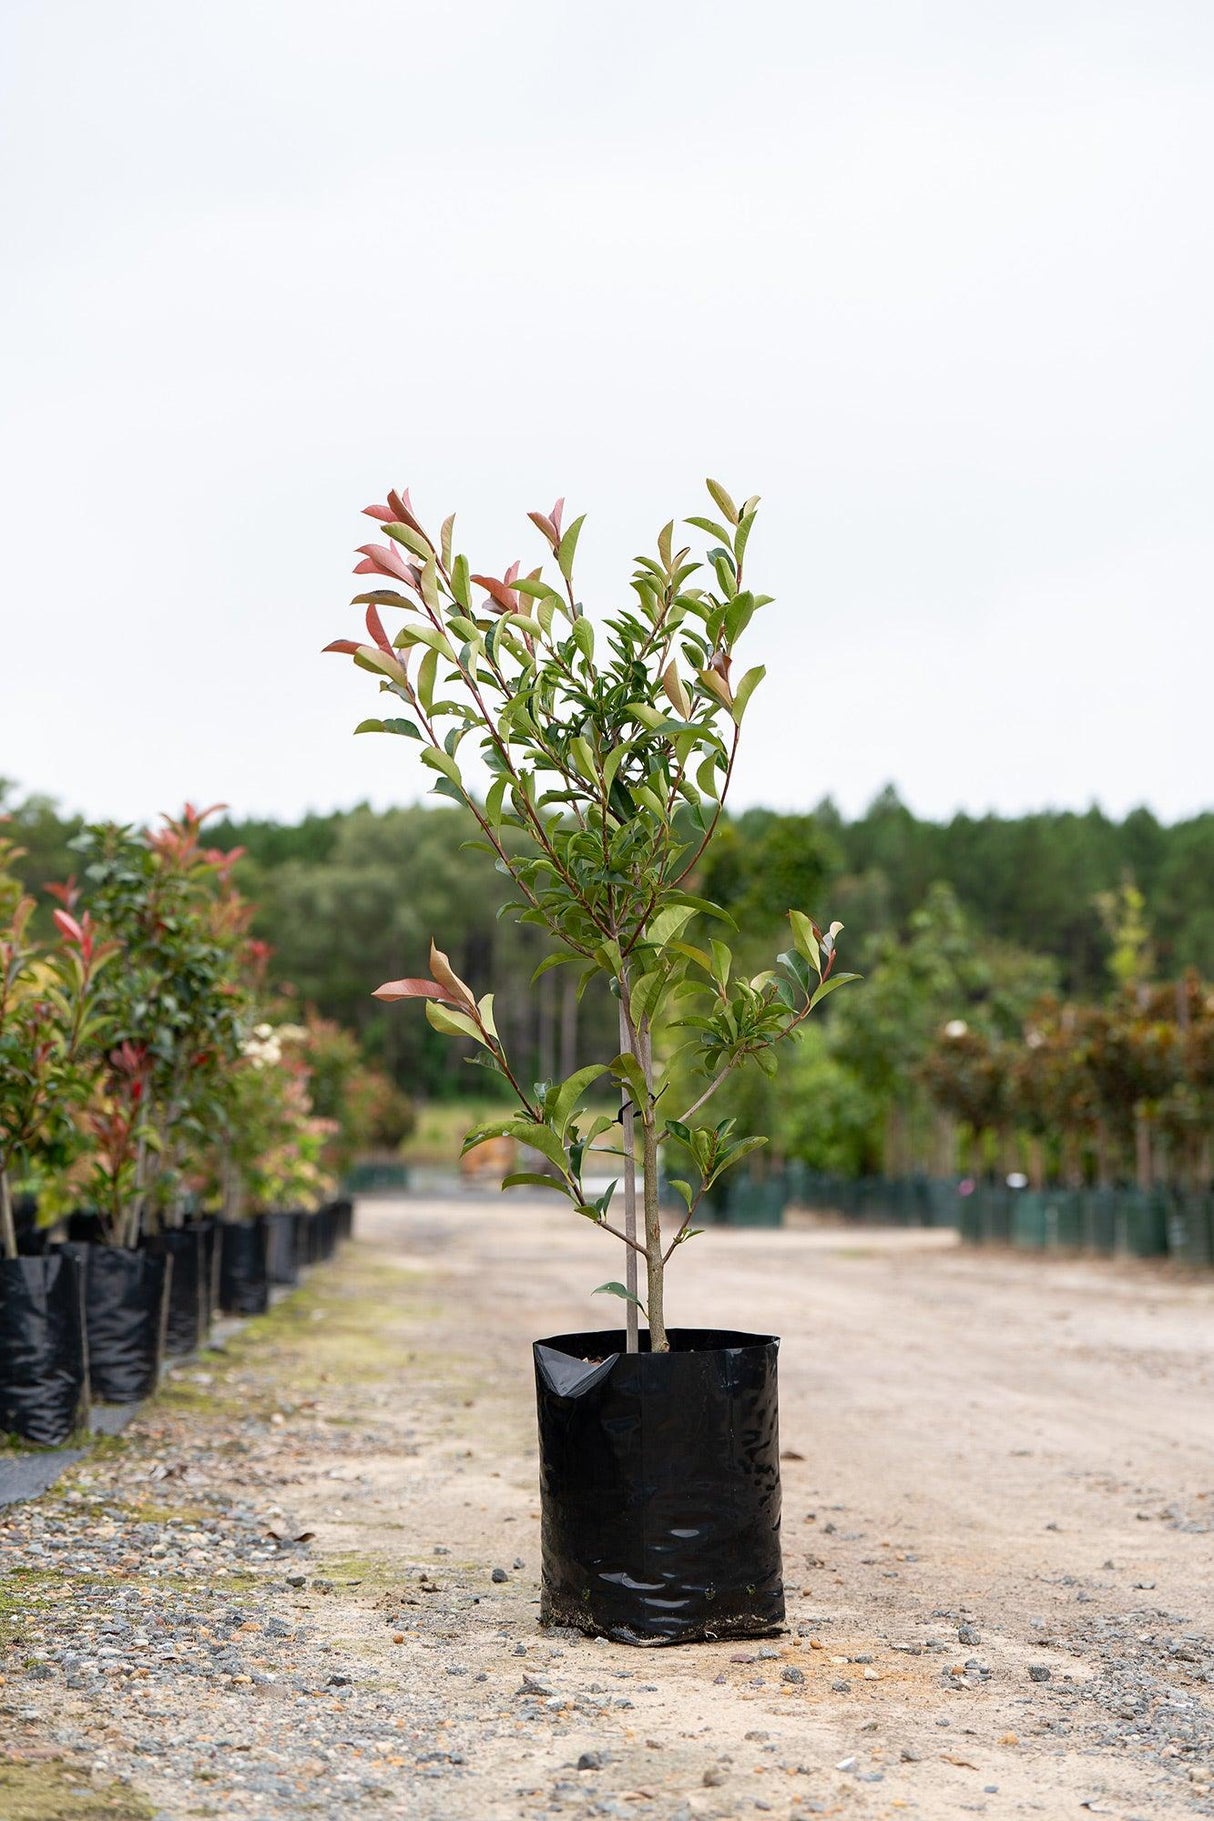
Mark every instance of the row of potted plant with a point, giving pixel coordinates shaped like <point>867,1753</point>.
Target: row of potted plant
<point>160,1156</point>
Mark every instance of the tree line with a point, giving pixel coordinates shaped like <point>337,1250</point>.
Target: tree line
<point>977,920</point>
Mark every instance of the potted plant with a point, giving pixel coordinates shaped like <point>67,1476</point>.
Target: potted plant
<point>175,1016</point>
<point>607,752</point>
<point>47,1020</point>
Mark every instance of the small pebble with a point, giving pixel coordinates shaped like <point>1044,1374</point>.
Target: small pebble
<point>1038,1672</point>
<point>498,1576</point>
<point>968,1634</point>
<point>792,1674</point>
<point>713,1777</point>
<point>590,1760</point>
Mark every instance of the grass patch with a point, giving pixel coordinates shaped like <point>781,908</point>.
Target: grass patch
<point>23,1592</point>
<point>58,1791</point>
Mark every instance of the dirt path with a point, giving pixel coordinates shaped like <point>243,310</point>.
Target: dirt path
<point>974,1441</point>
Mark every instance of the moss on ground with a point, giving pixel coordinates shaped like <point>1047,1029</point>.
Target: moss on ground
<point>58,1791</point>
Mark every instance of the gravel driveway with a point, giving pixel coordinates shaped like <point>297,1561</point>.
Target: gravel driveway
<point>304,1583</point>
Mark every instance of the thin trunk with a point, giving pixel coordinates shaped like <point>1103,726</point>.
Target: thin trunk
<point>1142,1150</point>
<point>653,1240</point>
<point>630,1197</point>
<point>8,1227</point>
<point>655,1264</point>
<point>547,1022</point>
<point>568,1025</point>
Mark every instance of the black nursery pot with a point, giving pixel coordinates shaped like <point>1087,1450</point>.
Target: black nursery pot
<point>660,1486</point>
<point>282,1250</point>
<point>125,1290</point>
<point>42,1356</point>
<point>244,1287</point>
<point>188,1300</point>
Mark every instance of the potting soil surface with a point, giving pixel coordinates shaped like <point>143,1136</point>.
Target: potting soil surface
<point>304,1582</point>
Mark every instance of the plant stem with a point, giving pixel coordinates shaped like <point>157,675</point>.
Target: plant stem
<point>8,1229</point>
<point>655,1262</point>
<point>630,1190</point>
<point>653,1240</point>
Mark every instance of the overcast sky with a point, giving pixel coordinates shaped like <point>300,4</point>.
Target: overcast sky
<point>935,279</point>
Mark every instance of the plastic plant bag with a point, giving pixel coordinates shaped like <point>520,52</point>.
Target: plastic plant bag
<point>244,1288</point>
<point>660,1486</point>
<point>42,1357</point>
<point>125,1304</point>
<point>187,1316</point>
<point>282,1255</point>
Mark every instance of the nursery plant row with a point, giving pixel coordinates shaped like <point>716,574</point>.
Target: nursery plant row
<point>162,1158</point>
<point>1115,1221</point>
<point>84,1322</point>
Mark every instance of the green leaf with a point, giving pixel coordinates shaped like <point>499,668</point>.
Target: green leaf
<point>711,527</point>
<point>705,905</point>
<point>405,534</point>
<point>438,760</point>
<point>540,1137</point>
<point>646,992</point>
<point>627,1069</point>
<point>706,777</point>
<point>559,959</point>
<point>583,638</point>
<point>746,688</point>
<point>401,726</point>
<point>427,672</point>
<point>534,1179</point>
<point>615,1289</point>
<point>430,593</point>
<point>570,1092</point>
<point>370,727</point>
<point>445,537</point>
<point>369,657</point>
<point>461,585</point>
<point>417,633</point>
<point>567,547</point>
<point>805,939</point>
<point>451,1023</point>
<point>493,800</point>
<point>694,953</point>
<point>722,962</point>
<point>723,500</point>
<point>669,923</point>
<point>684,1189</point>
<point>829,985</point>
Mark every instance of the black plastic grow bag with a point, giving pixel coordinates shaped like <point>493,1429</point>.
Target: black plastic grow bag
<point>42,1356</point>
<point>660,1486</point>
<point>187,1322</point>
<point>282,1255</point>
<point>244,1288</point>
<point>125,1309</point>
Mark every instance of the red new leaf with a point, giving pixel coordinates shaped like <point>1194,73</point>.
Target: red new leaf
<point>68,926</point>
<point>349,646</point>
<point>413,989</point>
<point>384,560</point>
<point>505,598</point>
<point>375,627</point>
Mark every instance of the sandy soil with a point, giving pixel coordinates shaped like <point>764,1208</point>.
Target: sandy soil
<point>972,1439</point>
<point>976,1438</point>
